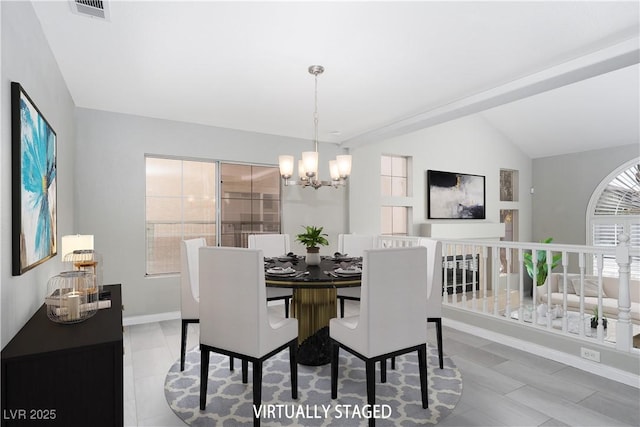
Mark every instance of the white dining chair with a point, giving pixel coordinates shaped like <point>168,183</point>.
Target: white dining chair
<point>249,329</point>
<point>189,289</point>
<point>352,245</point>
<point>434,289</point>
<point>274,245</point>
<point>393,308</point>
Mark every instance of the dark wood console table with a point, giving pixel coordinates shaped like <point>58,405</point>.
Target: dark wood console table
<point>66,375</point>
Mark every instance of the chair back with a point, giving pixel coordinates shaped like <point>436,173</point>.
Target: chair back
<point>393,304</point>
<point>384,241</point>
<point>189,280</point>
<point>233,302</point>
<point>355,244</point>
<point>272,245</point>
<point>434,282</point>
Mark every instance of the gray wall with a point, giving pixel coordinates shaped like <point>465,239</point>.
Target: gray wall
<point>563,187</point>
<point>27,59</point>
<point>111,192</point>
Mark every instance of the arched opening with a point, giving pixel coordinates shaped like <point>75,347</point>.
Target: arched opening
<point>614,209</point>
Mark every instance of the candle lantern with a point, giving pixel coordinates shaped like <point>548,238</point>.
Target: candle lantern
<point>72,296</point>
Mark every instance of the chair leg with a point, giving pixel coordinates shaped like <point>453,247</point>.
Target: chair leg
<point>341,306</point>
<point>183,344</point>
<point>204,376</point>
<point>383,371</point>
<point>293,366</point>
<point>231,363</point>
<point>439,336</point>
<point>422,365</point>
<point>257,390</point>
<point>245,369</point>
<point>393,363</point>
<point>335,349</point>
<point>370,368</point>
<point>286,307</point>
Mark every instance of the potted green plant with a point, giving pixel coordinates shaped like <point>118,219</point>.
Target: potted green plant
<point>312,239</point>
<point>542,268</point>
<point>594,319</point>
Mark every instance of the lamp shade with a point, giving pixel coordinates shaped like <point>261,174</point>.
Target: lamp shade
<point>310,160</point>
<point>344,165</point>
<point>74,242</point>
<point>286,166</point>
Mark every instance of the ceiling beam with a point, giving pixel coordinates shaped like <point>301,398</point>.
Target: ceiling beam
<point>604,61</point>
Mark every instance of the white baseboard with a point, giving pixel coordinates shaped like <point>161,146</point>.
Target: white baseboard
<point>618,375</point>
<point>150,318</point>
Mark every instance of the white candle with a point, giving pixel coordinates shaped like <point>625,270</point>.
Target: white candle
<point>73,304</point>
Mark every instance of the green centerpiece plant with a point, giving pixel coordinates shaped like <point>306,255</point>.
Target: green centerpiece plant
<point>312,239</point>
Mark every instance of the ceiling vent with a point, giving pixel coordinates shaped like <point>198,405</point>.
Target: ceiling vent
<point>91,8</point>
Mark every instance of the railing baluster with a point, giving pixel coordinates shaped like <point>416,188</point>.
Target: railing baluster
<point>464,275</point>
<point>565,319</point>
<point>548,284</point>
<point>495,276</point>
<point>484,279</point>
<point>581,267</point>
<point>521,285</point>
<point>600,326</point>
<point>624,329</point>
<point>534,314</point>
<point>507,309</point>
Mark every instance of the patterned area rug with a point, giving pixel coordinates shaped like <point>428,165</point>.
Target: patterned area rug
<point>229,402</point>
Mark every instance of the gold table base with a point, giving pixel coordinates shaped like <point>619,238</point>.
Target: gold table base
<point>313,308</point>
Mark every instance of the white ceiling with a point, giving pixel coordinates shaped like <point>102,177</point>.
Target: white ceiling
<point>555,77</point>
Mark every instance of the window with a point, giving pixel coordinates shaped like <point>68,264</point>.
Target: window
<point>395,220</point>
<point>250,200</point>
<point>393,176</point>
<point>182,201</point>
<point>394,188</point>
<point>614,209</point>
<point>180,204</point>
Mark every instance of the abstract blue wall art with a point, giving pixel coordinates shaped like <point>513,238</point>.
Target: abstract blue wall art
<point>34,173</point>
<point>454,195</point>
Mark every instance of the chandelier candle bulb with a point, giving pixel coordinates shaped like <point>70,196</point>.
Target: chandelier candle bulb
<point>334,170</point>
<point>301,172</point>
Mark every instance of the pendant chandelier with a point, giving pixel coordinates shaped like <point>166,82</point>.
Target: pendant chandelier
<point>340,168</point>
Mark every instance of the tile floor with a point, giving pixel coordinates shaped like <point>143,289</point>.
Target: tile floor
<point>502,386</point>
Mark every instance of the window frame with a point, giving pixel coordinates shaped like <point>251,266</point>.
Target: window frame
<point>390,201</point>
<point>218,163</point>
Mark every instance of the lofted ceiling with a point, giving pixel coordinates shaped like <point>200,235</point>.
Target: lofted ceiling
<point>554,77</point>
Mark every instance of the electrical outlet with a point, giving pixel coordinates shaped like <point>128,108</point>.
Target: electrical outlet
<point>590,354</point>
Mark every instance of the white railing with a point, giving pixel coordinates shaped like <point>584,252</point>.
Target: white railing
<point>488,277</point>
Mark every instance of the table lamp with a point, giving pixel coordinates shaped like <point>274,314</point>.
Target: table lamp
<point>77,250</point>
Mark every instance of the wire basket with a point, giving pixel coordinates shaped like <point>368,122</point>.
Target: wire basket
<point>72,296</point>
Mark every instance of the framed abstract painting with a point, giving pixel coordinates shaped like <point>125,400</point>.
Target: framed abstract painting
<point>454,195</point>
<point>33,184</point>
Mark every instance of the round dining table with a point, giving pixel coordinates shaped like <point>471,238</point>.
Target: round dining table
<point>314,301</point>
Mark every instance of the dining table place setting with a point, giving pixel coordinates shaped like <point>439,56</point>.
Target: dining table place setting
<point>347,269</point>
<point>284,270</point>
<point>339,257</point>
